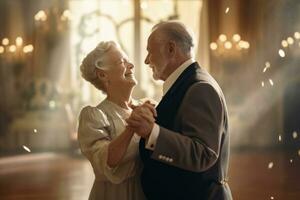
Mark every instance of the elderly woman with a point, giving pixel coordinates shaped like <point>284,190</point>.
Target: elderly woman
<point>110,146</point>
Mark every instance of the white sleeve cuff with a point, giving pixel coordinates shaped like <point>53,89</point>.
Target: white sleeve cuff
<point>151,143</point>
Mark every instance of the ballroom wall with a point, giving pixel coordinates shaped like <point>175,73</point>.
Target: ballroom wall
<point>258,82</point>
<point>32,99</point>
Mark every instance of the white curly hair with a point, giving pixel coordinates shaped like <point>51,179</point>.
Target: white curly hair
<point>95,59</point>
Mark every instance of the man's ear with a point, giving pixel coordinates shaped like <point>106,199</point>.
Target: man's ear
<point>101,75</point>
<point>171,48</point>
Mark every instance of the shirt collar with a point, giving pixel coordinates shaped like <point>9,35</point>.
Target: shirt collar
<point>173,77</point>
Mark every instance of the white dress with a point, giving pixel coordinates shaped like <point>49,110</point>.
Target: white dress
<point>97,127</point>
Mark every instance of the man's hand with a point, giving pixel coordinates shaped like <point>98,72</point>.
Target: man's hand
<point>141,120</point>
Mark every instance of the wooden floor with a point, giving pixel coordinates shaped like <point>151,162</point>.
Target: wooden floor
<point>49,176</point>
<point>265,175</point>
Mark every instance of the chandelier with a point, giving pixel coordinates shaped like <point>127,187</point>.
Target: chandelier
<point>226,46</point>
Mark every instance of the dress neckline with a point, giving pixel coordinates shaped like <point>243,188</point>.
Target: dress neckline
<point>119,109</point>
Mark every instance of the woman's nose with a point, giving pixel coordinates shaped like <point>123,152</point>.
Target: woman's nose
<point>129,65</point>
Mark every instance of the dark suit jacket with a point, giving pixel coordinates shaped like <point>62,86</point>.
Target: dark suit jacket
<point>191,156</point>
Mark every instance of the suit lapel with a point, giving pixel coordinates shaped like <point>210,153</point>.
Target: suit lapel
<point>168,106</point>
<point>184,76</point>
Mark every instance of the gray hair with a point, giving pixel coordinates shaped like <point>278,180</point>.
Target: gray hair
<point>178,32</point>
<point>95,59</point>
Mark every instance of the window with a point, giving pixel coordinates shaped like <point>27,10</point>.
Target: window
<point>129,23</point>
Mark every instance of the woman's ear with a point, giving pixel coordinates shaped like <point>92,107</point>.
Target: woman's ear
<point>101,75</point>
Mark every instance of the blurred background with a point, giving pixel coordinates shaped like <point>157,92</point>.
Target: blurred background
<point>252,48</point>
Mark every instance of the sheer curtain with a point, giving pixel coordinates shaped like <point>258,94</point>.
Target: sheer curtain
<point>202,55</point>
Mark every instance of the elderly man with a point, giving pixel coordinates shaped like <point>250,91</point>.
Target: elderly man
<point>186,151</point>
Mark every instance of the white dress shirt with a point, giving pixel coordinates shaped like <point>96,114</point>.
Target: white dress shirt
<point>150,144</point>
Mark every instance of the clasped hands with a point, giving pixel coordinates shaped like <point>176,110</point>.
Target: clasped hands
<point>142,119</point>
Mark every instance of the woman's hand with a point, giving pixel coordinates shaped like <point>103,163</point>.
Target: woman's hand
<point>142,119</point>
